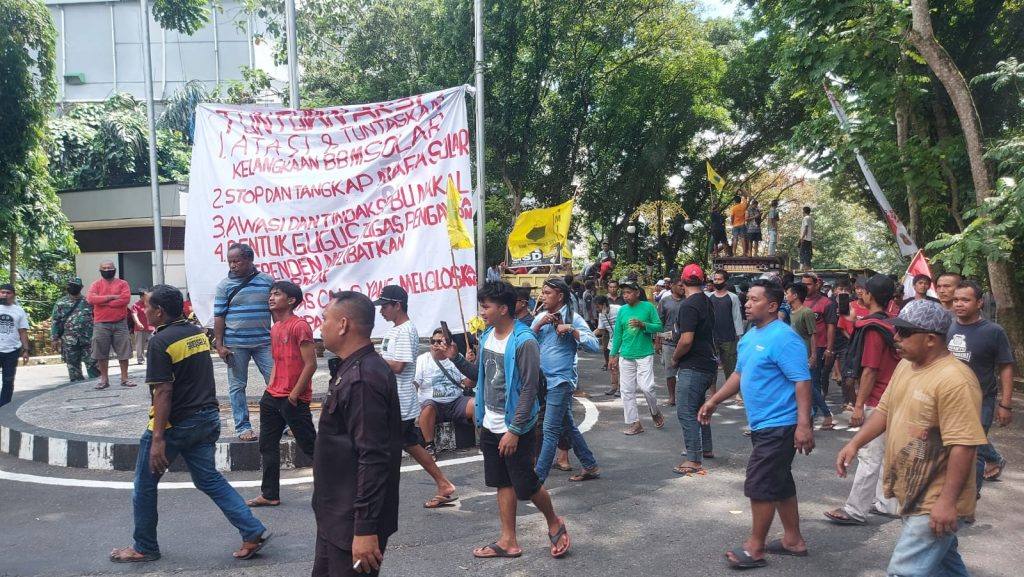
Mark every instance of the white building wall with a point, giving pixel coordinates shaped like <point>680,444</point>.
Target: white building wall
<point>103,41</point>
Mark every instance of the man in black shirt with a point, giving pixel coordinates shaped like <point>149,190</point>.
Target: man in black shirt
<point>358,447</point>
<point>183,420</point>
<point>697,366</point>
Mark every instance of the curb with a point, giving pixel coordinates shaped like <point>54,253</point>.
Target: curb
<point>61,449</point>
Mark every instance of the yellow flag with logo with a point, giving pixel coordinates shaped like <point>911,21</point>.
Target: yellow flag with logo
<point>457,233</point>
<point>541,229</point>
<point>713,177</point>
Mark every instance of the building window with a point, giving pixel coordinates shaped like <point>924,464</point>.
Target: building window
<point>137,269</point>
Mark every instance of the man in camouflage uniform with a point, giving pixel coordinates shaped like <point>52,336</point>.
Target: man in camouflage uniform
<point>71,331</point>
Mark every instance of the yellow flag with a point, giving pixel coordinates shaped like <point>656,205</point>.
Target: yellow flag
<point>457,233</point>
<point>543,229</point>
<point>717,181</point>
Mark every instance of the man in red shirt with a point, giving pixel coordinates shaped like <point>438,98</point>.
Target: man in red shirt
<point>285,403</point>
<point>878,361</point>
<point>826,316</point>
<point>109,297</point>
<point>143,329</point>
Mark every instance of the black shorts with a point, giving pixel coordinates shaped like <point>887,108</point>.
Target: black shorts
<point>754,236</point>
<point>331,561</point>
<point>770,469</point>
<point>514,471</point>
<point>411,434</point>
<point>450,412</point>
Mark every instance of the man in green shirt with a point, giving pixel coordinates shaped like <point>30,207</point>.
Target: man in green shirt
<point>633,340</point>
<point>802,317</point>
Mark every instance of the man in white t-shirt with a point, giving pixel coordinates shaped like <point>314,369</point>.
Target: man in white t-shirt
<point>441,390</point>
<point>399,349</point>
<point>607,312</point>
<point>13,340</point>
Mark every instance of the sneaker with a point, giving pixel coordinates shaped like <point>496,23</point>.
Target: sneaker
<point>634,429</point>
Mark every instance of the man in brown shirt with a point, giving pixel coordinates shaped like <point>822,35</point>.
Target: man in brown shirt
<point>358,447</point>
<point>931,414</point>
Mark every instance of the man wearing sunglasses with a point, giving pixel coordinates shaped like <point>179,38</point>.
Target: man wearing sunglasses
<point>931,416</point>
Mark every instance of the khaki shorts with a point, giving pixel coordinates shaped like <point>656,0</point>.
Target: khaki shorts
<point>108,337</point>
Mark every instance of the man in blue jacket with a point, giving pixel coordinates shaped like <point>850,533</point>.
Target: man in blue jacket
<point>561,332</point>
<point>508,376</point>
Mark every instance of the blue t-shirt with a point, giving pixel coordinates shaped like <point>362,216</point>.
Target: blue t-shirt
<point>771,360</point>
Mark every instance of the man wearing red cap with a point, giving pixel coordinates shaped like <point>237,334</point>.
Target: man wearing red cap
<point>697,367</point>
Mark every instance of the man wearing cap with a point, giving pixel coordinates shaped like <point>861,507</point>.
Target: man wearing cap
<point>931,416</point>
<point>71,331</point>
<point>400,347</point>
<point>696,364</point>
<point>874,346</point>
<point>633,340</point>
<point>560,333</point>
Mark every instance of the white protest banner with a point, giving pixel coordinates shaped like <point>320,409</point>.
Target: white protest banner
<point>346,198</point>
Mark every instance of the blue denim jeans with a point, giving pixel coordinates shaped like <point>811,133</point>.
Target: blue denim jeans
<point>238,378</point>
<point>194,439</point>
<point>557,420</point>
<point>819,373</point>
<point>691,391</point>
<point>919,553</point>
<point>987,453</point>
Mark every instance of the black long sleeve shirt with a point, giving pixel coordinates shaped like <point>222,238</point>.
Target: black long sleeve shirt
<point>358,452</point>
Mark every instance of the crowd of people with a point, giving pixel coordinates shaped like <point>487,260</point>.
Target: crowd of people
<point>755,231</point>
<point>924,378</point>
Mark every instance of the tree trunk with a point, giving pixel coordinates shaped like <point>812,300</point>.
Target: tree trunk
<point>942,65</point>
<point>952,183</point>
<point>14,259</point>
<point>902,135</point>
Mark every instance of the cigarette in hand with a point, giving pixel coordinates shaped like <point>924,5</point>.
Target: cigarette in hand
<point>356,566</point>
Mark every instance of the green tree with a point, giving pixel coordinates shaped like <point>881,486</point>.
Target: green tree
<point>30,210</point>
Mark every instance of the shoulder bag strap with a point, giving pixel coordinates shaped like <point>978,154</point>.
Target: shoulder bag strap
<point>238,288</point>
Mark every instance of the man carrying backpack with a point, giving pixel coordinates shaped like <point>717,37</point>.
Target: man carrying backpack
<point>872,352</point>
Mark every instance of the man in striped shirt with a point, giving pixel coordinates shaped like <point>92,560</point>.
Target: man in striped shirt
<point>399,349</point>
<point>242,329</point>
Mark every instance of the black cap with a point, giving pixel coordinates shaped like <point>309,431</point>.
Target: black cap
<point>392,294</point>
<point>629,283</point>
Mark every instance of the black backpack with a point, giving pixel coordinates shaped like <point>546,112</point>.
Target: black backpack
<point>876,322</point>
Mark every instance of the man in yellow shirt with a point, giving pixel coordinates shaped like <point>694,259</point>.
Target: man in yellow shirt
<point>738,216</point>
<point>931,414</point>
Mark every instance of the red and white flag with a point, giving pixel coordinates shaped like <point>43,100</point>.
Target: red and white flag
<point>918,265</point>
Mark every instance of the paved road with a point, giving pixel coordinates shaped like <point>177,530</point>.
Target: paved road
<point>639,519</point>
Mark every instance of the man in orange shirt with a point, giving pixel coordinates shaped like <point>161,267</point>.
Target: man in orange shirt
<point>109,297</point>
<point>738,215</point>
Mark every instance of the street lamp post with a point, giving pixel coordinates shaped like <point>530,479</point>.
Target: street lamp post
<point>154,177</point>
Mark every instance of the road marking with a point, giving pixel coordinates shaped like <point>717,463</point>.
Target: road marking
<point>589,420</point>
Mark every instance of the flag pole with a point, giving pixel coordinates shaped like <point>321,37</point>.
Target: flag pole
<point>458,295</point>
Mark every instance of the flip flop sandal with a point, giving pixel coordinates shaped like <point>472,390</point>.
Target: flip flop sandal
<point>689,471</point>
<point>250,549</point>
<point>561,467</point>
<point>830,427</point>
<point>122,556</point>
<point>247,436</point>
<point>586,475</point>
<point>709,455</point>
<point>101,385</point>
<point>994,476</point>
<point>659,420</point>
<point>842,518</point>
<point>558,537</point>
<point>744,560</point>
<point>438,501</point>
<point>128,384</point>
<point>777,548</point>
<point>498,552</point>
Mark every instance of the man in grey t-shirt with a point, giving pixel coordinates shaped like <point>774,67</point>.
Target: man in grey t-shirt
<point>983,345</point>
<point>668,310</point>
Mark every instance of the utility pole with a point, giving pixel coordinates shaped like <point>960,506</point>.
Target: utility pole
<point>154,177</point>
<point>478,68</point>
<point>293,54</point>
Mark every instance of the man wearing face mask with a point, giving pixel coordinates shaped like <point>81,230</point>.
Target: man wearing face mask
<point>109,297</point>
<point>71,331</point>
